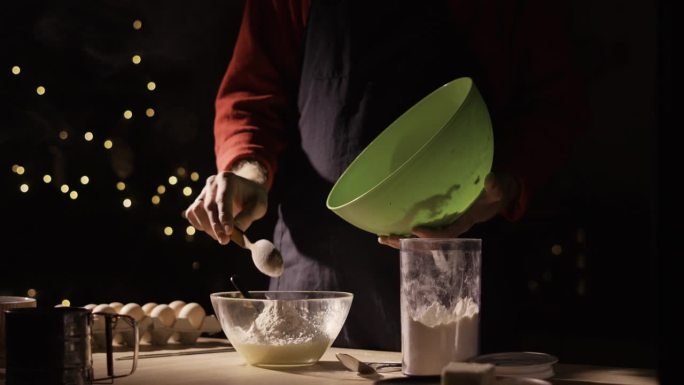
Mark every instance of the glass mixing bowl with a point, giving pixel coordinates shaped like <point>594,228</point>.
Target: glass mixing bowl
<point>282,328</point>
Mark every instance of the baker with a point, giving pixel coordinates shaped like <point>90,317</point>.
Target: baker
<point>311,83</point>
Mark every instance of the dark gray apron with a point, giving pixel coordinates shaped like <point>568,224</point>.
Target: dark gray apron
<point>364,64</point>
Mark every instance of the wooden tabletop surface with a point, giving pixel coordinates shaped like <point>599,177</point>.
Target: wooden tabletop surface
<point>214,362</point>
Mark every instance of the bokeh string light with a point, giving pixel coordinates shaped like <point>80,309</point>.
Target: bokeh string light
<point>84,151</point>
<point>64,184</point>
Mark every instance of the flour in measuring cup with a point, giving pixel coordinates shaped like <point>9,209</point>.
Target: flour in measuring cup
<point>434,336</point>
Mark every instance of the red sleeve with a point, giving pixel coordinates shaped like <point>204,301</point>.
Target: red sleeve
<point>550,110</point>
<point>535,95</point>
<point>256,100</point>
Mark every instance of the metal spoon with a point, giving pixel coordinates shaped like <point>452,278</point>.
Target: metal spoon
<point>264,254</point>
<point>255,305</point>
<point>367,369</point>
<point>234,282</point>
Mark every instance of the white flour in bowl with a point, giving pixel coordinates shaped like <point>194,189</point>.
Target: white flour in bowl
<point>281,336</point>
<point>434,336</point>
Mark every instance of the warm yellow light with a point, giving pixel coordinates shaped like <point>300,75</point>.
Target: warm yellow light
<point>156,199</point>
<point>556,249</point>
<point>14,167</point>
<point>20,170</point>
<point>173,180</point>
<point>194,176</point>
<point>63,135</point>
<point>108,144</point>
<point>190,230</point>
<point>66,302</point>
<point>187,191</point>
<point>47,178</point>
<point>195,265</point>
<point>24,188</point>
<point>161,189</point>
<point>88,136</point>
<point>128,114</point>
<point>137,24</point>
<point>16,70</point>
<point>168,231</point>
<point>73,195</point>
<point>64,188</point>
<point>180,171</point>
<point>149,112</point>
<point>40,90</point>
<point>85,180</point>
<point>31,293</point>
<point>120,186</point>
<point>151,86</point>
<point>136,59</point>
<point>127,203</point>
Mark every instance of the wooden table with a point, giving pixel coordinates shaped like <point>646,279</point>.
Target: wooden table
<point>227,367</point>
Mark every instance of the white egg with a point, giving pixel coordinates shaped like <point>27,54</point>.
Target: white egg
<point>177,306</point>
<point>101,308</point>
<point>194,313</point>
<point>134,310</point>
<point>104,308</point>
<point>164,314</point>
<point>116,306</point>
<point>148,307</point>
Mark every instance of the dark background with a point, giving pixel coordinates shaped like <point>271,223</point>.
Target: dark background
<point>588,243</point>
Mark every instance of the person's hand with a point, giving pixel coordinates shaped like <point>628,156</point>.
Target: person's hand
<point>227,200</point>
<point>498,193</point>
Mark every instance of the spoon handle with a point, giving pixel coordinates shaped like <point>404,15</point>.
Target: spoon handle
<point>233,280</point>
<point>238,236</point>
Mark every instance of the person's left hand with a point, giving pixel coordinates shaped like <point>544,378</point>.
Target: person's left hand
<point>498,193</point>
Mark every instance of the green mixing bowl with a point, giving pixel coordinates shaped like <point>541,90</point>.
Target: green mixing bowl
<point>426,168</point>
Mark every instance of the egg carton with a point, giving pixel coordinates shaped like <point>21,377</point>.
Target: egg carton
<point>158,328</point>
<point>122,332</point>
<point>181,331</point>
